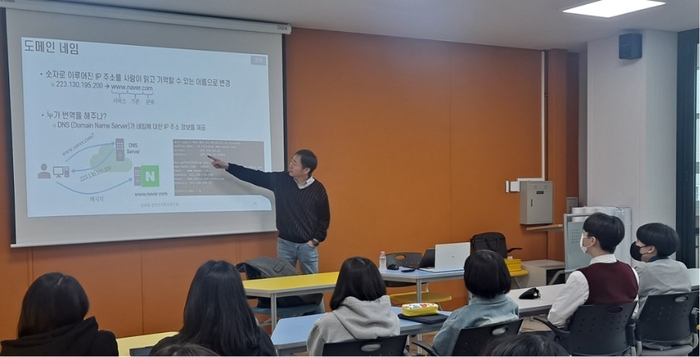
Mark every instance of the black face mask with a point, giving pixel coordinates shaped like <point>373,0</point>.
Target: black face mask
<point>635,253</point>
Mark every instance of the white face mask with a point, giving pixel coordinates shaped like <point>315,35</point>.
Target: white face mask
<point>580,243</point>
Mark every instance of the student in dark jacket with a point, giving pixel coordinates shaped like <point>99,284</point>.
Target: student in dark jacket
<point>52,322</point>
<point>217,315</point>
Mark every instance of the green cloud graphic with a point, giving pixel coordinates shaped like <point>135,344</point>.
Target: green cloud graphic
<point>107,156</point>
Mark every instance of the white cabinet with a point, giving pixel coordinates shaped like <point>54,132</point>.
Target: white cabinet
<point>540,271</point>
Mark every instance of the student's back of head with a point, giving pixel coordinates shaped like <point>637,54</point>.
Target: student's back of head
<point>524,344</point>
<point>486,274</point>
<point>359,278</point>
<point>53,300</point>
<point>217,315</point>
<point>663,238</point>
<point>52,321</point>
<point>608,230</point>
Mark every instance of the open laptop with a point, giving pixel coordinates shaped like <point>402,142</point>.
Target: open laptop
<point>427,260</point>
<point>450,257</point>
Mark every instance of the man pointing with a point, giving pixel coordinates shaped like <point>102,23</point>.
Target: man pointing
<point>301,202</point>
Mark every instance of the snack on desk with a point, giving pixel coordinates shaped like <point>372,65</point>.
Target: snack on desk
<point>419,309</point>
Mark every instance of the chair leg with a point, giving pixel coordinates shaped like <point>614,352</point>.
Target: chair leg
<point>517,283</point>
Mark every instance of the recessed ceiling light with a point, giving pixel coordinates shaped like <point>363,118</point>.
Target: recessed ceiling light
<point>611,8</point>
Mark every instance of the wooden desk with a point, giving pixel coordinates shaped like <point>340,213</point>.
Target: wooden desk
<point>274,288</point>
<point>124,344</point>
<point>291,333</point>
<point>419,277</point>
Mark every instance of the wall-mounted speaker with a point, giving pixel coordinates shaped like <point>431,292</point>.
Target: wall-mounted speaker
<point>631,46</point>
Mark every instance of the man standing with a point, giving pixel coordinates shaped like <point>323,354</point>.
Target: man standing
<point>301,202</point>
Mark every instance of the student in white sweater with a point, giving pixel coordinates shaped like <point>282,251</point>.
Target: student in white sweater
<point>361,310</point>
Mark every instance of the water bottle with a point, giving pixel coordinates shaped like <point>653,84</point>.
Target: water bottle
<point>382,262</point>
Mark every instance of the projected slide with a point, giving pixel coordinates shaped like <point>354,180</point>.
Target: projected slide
<point>102,138</point>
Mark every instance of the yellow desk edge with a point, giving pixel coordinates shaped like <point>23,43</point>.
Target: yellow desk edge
<point>285,282</point>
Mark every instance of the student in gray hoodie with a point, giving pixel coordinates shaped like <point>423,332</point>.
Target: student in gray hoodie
<point>361,310</point>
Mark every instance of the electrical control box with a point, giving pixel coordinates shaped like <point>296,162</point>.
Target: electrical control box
<point>536,201</point>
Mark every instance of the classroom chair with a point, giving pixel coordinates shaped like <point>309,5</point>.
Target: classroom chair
<point>496,242</point>
<point>289,306</point>
<point>398,299</point>
<point>666,319</point>
<point>472,340</point>
<point>382,346</point>
<point>597,330</point>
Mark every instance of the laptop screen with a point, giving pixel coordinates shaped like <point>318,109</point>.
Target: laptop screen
<point>428,260</point>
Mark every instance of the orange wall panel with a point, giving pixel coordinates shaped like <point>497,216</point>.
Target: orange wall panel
<point>415,140</point>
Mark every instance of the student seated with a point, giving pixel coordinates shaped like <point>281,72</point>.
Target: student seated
<point>659,274</point>
<point>486,276</point>
<point>52,322</point>
<point>523,344</point>
<point>217,315</point>
<point>605,281</point>
<point>361,309</point>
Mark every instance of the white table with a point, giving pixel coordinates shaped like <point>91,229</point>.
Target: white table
<point>291,333</point>
<point>419,277</point>
<point>550,293</point>
<point>542,305</point>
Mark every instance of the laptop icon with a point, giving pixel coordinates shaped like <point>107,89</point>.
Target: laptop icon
<point>450,257</point>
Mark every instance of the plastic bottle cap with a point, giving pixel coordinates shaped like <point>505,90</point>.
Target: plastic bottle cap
<point>382,252</point>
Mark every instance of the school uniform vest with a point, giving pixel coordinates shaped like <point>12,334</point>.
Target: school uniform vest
<point>610,283</point>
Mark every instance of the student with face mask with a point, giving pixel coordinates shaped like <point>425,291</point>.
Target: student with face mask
<point>660,275</point>
<point>605,281</point>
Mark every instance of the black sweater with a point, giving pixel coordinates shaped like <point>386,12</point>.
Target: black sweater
<point>302,214</point>
<point>80,339</point>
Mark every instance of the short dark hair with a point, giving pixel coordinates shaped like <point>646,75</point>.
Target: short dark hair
<point>184,349</point>
<point>308,160</point>
<point>217,314</point>
<point>662,237</point>
<point>523,344</point>
<point>486,274</point>
<point>53,300</point>
<point>608,230</point>
<point>359,278</point>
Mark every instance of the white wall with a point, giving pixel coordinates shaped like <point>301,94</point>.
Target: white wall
<point>582,130</point>
<point>632,128</point>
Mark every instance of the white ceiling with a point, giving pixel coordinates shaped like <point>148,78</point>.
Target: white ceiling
<point>535,24</point>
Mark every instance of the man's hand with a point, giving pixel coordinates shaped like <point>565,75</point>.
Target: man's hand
<point>218,163</point>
